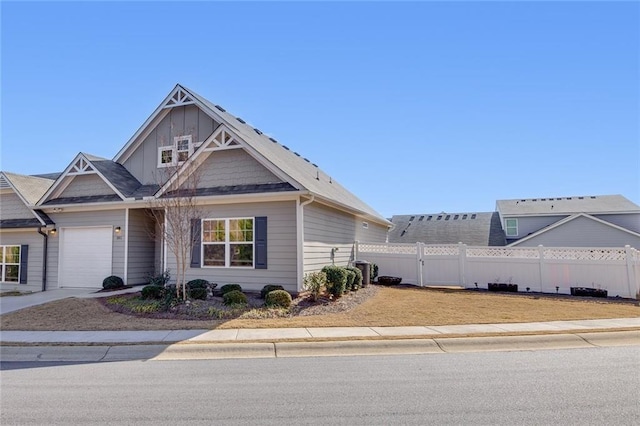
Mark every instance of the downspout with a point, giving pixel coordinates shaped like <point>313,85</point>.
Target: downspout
<point>44,258</point>
<point>300,232</point>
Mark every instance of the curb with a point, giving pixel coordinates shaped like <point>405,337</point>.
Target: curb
<point>202,351</point>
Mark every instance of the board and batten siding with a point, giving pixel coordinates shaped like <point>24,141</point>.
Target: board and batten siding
<point>583,232</point>
<point>12,207</point>
<point>35,242</point>
<point>180,121</point>
<point>142,246</point>
<point>281,247</point>
<point>232,167</point>
<point>87,219</point>
<point>86,185</point>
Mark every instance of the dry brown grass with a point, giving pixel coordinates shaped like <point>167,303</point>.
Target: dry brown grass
<point>403,306</point>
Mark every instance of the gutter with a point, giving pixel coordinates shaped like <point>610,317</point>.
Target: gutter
<point>44,258</point>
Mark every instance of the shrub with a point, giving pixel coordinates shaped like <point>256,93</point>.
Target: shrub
<point>198,293</point>
<point>112,282</point>
<point>351,277</point>
<point>336,279</point>
<point>198,283</point>
<point>314,282</point>
<point>278,299</point>
<point>234,297</point>
<point>269,288</point>
<point>230,287</point>
<point>161,279</point>
<point>152,292</point>
<point>373,270</point>
<point>357,282</point>
<point>389,280</point>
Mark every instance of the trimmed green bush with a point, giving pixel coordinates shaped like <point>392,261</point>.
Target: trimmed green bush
<point>112,282</point>
<point>268,289</point>
<point>198,293</point>
<point>314,282</point>
<point>357,282</point>
<point>152,292</point>
<point>234,297</point>
<point>197,283</point>
<point>161,279</point>
<point>351,277</point>
<point>278,299</point>
<point>230,287</point>
<point>373,269</point>
<point>336,279</point>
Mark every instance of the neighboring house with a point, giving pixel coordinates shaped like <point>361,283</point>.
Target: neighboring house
<point>22,241</point>
<point>267,214</point>
<point>474,229</point>
<point>583,221</point>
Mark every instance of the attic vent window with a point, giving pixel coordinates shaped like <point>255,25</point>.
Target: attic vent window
<point>365,225</point>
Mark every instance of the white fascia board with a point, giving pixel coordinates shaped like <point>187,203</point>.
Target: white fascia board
<point>248,198</point>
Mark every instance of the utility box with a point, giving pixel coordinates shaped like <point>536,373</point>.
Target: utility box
<point>365,268</point>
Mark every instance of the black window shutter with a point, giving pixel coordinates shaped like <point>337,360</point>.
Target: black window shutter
<point>261,242</point>
<point>196,239</point>
<point>24,260</point>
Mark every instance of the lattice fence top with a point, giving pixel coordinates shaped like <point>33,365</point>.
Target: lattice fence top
<point>388,248</point>
<point>585,254</point>
<point>504,252</point>
<point>441,250</point>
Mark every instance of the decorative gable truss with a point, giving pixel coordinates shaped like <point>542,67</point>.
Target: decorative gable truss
<point>81,167</point>
<point>178,97</point>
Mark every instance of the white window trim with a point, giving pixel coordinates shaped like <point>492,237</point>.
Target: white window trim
<point>506,227</point>
<point>3,264</point>
<point>227,244</point>
<point>175,151</point>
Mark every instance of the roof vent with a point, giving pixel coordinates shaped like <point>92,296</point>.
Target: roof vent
<point>220,108</point>
<point>421,219</point>
<point>411,218</point>
<point>314,164</point>
<point>307,160</point>
<point>473,216</point>
<point>297,154</point>
<point>257,131</point>
<point>456,217</point>
<point>593,198</point>
<point>439,217</point>
<point>429,217</point>
<point>464,216</point>
<point>285,147</point>
<point>241,120</point>
<point>273,140</point>
<point>580,198</point>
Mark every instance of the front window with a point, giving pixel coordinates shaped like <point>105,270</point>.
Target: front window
<point>228,242</point>
<point>511,227</point>
<point>10,263</point>
<point>183,148</point>
<point>177,153</point>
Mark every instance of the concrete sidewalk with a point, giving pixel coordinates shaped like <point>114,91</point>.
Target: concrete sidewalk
<point>328,333</point>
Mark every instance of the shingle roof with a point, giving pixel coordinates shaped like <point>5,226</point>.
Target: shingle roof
<point>591,204</point>
<point>30,187</point>
<point>83,199</point>
<point>240,189</point>
<point>474,229</point>
<point>119,177</point>
<point>298,168</point>
<point>19,223</point>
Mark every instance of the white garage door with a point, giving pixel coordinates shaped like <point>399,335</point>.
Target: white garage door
<point>85,256</point>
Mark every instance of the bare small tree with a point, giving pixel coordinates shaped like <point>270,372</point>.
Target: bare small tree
<point>173,213</point>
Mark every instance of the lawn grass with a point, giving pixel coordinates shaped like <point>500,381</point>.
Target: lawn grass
<point>401,306</point>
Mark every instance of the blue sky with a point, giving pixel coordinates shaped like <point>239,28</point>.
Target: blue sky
<point>416,107</point>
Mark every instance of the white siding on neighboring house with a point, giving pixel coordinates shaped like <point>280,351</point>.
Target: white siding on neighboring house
<point>112,218</point>
<point>12,207</point>
<point>35,242</point>
<point>281,247</point>
<point>86,185</point>
<point>233,167</point>
<point>141,247</point>
<point>180,121</point>
<point>583,232</point>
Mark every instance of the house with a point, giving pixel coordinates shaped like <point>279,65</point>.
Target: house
<point>266,214</point>
<point>474,229</point>
<point>580,221</point>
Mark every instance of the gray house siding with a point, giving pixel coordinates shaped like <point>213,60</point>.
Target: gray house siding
<point>86,185</point>
<point>372,233</point>
<point>281,247</point>
<point>530,225</point>
<point>180,121</point>
<point>141,250</point>
<point>233,167</point>
<point>12,207</point>
<point>583,232</point>
<point>35,242</point>
<point>627,221</point>
<point>84,219</point>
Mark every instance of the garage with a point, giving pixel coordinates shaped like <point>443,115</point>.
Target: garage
<point>85,256</point>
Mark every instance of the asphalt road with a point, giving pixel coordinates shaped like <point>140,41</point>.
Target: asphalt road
<point>577,386</point>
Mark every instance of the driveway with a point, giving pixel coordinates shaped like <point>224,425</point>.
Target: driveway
<point>14,303</point>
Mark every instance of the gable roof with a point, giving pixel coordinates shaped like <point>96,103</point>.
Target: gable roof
<point>297,170</point>
<point>570,219</point>
<point>475,229</point>
<point>592,204</point>
<point>29,189</point>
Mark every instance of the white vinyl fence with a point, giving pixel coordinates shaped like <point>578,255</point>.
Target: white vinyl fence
<point>541,269</point>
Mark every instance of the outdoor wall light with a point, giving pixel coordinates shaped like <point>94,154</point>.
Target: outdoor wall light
<point>54,231</point>
<point>118,229</point>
